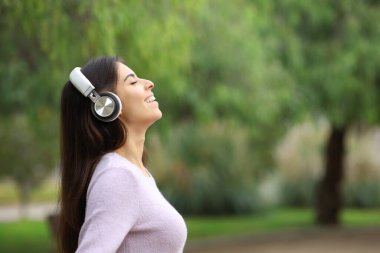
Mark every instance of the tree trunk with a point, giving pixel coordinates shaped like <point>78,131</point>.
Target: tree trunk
<point>329,199</point>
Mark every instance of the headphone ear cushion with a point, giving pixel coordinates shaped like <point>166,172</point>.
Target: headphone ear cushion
<point>107,107</point>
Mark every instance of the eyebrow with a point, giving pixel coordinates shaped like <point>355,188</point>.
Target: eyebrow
<point>129,75</point>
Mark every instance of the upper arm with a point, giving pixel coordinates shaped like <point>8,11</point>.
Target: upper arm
<point>112,209</point>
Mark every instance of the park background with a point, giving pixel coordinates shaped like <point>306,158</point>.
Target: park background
<point>271,109</point>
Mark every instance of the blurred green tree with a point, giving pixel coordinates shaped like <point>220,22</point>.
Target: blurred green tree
<point>232,75</point>
<point>257,63</point>
<point>42,41</point>
<point>25,158</point>
<point>330,47</point>
<point>29,122</point>
<point>209,59</point>
<point>235,75</point>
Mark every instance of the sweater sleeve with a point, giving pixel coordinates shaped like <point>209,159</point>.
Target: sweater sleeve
<point>112,209</point>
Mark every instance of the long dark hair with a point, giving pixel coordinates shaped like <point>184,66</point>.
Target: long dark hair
<point>84,140</point>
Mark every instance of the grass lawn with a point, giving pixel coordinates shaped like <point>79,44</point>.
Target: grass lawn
<point>25,236</point>
<point>203,227</point>
<point>33,236</point>
<point>275,220</point>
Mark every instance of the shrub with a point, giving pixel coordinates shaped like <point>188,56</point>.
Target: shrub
<point>206,169</point>
<point>362,184</point>
<point>299,161</point>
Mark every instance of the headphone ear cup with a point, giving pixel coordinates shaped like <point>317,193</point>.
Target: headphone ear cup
<point>107,107</point>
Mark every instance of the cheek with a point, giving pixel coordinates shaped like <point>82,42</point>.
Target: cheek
<point>131,107</point>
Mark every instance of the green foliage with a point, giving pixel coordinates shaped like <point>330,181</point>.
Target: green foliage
<point>261,64</point>
<point>206,169</point>
<point>299,162</point>
<point>298,193</point>
<point>44,192</point>
<point>362,194</point>
<point>8,193</point>
<point>361,187</point>
<point>336,61</point>
<point>26,157</point>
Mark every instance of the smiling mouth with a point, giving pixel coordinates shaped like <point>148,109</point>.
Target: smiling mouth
<point>150,99</point>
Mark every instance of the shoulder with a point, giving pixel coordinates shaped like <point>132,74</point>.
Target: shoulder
<point>113,165</point>
<point>114,174</point>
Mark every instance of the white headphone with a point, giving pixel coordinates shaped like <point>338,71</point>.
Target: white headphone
<point>106,106</point>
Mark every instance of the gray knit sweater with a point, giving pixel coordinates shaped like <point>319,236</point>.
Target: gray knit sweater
<point>126,212</point>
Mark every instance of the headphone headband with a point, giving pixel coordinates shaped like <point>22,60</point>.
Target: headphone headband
<point>80,82</point>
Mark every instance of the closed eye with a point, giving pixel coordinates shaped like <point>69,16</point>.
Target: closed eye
<point>131,75</point>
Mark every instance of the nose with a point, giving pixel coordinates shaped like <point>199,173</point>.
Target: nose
<point>149,84</point>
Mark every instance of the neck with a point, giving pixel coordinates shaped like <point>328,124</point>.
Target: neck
<point>133,148</point>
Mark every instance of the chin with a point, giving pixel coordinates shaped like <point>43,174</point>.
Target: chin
<point>156,117</point>
<point>159,115</point>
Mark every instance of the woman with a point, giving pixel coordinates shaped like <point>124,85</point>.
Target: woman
<point>109,200</point>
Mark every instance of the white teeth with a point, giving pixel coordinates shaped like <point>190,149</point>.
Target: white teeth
<point>150,99</point>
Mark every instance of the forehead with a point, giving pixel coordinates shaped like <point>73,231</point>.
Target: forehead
<point>123,70</point>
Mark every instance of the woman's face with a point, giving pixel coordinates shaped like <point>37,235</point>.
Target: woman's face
<point>139,105</point>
